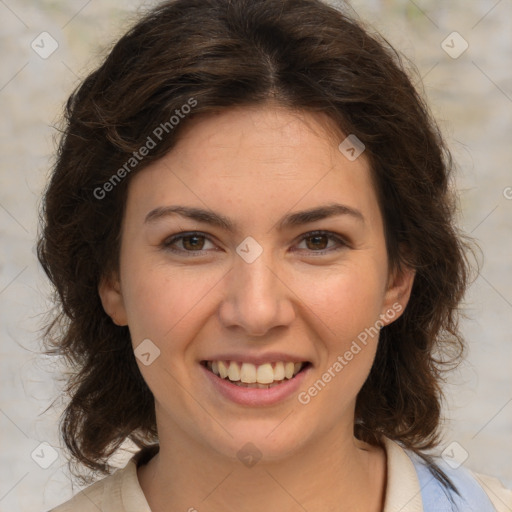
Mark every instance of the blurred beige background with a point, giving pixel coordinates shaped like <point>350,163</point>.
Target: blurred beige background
<point>471,95</point>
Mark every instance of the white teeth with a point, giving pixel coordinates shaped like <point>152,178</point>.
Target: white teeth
<point>265,374</point>
<point>289,369</point>
<point>260,376</point>
<point>223,369</point>
<point>234,371</point>
<point>248,373</point>
<point>279,371</point>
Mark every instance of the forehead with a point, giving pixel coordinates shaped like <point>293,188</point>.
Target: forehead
<point>266,135</point>
<point>262,159</point>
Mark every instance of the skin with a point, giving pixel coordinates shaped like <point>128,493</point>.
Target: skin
<point>303,296</point>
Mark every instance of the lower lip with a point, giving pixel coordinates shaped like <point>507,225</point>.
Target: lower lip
<point>255,396</point>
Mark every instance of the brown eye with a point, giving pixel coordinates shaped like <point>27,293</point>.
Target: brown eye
<point>318,242</point>
<point>322,242</point>
<point>193,243</point>
<point>188,243</point>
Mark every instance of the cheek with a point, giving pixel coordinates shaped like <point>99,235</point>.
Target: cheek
<point>161,302</point>
<point>165,308</point>
<point>346,299</point>
<point>346,306</point>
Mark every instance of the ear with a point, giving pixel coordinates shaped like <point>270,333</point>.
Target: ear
<point>111,297</point>
<point>397,294</point>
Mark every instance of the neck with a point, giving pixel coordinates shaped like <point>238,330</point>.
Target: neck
<point>338,474</point>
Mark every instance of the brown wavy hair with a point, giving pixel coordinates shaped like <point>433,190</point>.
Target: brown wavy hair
<point>303,55</point>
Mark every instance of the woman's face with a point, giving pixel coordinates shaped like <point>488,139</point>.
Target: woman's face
<point>255,247</point>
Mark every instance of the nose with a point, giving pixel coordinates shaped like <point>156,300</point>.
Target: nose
<point>257,297</point>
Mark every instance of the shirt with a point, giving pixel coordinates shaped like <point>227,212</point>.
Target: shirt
<point>410,487</point>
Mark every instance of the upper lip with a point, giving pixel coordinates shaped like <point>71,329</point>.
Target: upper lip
<point>257,359</point>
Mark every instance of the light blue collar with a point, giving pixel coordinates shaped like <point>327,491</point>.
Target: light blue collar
<point>437,498</point>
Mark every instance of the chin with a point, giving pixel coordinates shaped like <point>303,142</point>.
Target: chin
<point>261,441</point>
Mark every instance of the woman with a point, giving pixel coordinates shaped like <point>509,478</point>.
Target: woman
<point>250,229</point>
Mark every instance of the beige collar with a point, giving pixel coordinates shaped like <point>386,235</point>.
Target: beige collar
<point>403,492</point>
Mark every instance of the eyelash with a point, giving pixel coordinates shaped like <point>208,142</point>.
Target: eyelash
<point>167,244</point>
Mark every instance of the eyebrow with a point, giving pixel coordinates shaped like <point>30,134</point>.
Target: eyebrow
<point>218,220</point>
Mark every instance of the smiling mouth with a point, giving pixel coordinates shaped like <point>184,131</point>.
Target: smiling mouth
<point>248,375</point>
